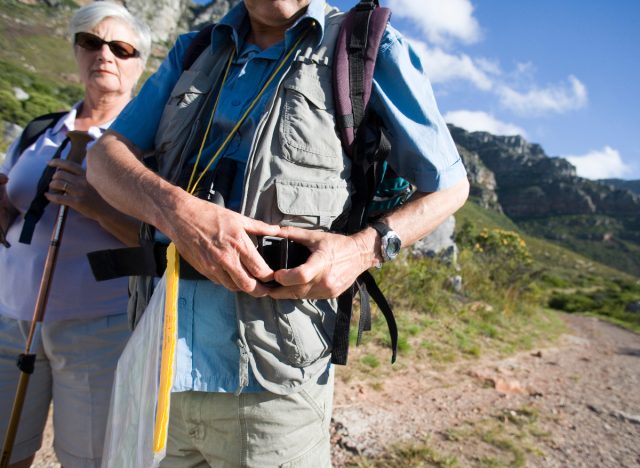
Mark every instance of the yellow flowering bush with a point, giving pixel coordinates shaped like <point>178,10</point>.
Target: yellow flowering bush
<point>497,258</point>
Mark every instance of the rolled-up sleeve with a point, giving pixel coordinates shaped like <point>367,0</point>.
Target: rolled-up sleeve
<point>139,120</point>
<point>423,151</point>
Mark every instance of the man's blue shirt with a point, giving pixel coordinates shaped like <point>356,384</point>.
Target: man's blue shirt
<point>422,152</point>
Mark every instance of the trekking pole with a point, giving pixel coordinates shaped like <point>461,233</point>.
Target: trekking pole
<point>26,360</point>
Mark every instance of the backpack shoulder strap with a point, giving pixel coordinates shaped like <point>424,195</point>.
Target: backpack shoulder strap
<point>354,61</point>
<point>200,42</point>
<point>353,65</point>
<point>37,127</point>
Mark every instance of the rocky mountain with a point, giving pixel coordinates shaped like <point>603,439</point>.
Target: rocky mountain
<point>541,194</point>
<point>632,185</point>
<point>544,196</point>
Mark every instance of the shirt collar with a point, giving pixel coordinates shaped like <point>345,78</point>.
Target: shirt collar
<point>68,123</point>
<point>235,25</point>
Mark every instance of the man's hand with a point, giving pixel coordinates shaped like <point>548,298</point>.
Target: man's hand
<point>216,242</point>
<point>336,261</point>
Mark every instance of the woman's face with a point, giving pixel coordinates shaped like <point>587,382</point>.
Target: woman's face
<point>100,70</point>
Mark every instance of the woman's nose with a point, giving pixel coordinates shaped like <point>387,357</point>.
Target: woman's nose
<point>105,53</point>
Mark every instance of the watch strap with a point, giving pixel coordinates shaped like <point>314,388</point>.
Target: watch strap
<point>381,227</point>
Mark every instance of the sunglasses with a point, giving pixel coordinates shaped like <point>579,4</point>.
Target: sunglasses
<point>120,49</point>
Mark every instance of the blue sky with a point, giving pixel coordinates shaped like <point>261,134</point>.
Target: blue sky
<point>564,73</point>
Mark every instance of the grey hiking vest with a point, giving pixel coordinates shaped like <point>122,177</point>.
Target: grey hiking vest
<point>297,174</point>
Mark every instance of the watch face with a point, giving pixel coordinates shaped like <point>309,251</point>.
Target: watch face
<point>393,247</point>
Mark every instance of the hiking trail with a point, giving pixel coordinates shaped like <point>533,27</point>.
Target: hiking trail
<point>574,404</point>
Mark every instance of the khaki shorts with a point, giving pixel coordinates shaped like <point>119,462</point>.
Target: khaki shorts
<point>75,362</point>
<point>251,430</point>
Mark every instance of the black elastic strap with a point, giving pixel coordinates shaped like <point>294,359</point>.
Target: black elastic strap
<point>147,260</point>
<point>385,308</point>
<point>364,324</point>
<point>37,127</point>
<point>340,350</point>
<point>39,202</point>
<point>26,363</point>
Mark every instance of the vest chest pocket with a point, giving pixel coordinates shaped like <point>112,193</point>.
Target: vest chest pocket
<point>311,205</point>
<point>307,124</point>
<point>181,109</point>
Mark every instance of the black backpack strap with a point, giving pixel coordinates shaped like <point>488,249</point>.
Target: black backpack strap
<point>340,349</point>
<point>197,46</point>
<point>374,291</point>
<point>150,259</point>
<point>37,127</point>
<point>40,201</point>
<point>367,286</point>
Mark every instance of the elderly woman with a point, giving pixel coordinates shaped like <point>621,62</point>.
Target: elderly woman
<point>85,325</point>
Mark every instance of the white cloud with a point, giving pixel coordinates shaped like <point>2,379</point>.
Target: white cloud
<point>477,121</point>
<point>443,67</point>
<point>486,75</point>
<point>441,20</point>
<point>600,164</point>
<point>558,98</point>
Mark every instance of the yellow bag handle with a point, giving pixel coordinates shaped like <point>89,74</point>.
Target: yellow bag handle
<point>172,276</point>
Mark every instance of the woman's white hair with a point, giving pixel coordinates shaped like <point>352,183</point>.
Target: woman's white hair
<point>87,17</point>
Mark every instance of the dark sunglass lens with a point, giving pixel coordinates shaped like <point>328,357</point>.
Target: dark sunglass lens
<point>89,41</point>
<point>122,49</point>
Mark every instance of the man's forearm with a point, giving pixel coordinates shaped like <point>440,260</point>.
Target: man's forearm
<point>415,219</point>
<point>115,171</point>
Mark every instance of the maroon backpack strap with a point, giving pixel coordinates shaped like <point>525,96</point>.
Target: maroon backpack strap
<point>353,64</point>
<point>197,46</point>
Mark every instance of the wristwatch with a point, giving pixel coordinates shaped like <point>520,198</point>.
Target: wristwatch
<point>391,243</point>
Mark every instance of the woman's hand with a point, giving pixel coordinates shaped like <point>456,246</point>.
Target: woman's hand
<point>69,186</point>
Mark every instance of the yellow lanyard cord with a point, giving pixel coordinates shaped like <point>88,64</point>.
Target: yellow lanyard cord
<point>213,112</point>
<point>192,188</point>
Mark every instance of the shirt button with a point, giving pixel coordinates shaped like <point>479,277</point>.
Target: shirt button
<point>182,302</point>
<point>235,102</point>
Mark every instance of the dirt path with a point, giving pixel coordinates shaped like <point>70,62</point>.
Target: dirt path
<point>577,404</point>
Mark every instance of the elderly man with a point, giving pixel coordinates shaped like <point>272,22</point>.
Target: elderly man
<point>254,384</point>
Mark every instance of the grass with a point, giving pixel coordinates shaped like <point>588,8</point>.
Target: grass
<point>419,454</point>
<point>505,304</point>
<point>438,326</point>
<point>510,437</point>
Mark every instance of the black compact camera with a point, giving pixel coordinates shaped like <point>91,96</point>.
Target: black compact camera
<point>280,253</point>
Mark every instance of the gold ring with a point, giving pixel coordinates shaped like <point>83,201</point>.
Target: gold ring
<point>64,188</point>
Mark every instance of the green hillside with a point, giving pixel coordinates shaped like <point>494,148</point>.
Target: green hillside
<point>565,279</point>
<point>36,57</point>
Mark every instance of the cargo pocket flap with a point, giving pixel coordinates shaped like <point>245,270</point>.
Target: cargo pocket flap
<point>300,198</point>
<point>310,89</point>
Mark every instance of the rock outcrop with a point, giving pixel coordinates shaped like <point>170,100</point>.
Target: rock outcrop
<point>531,184</point>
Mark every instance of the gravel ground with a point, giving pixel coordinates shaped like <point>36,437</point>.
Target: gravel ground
<point>583,392</point>
<point>583,395</point>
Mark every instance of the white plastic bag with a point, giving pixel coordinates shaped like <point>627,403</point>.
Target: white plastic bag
<point>138,422</point>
